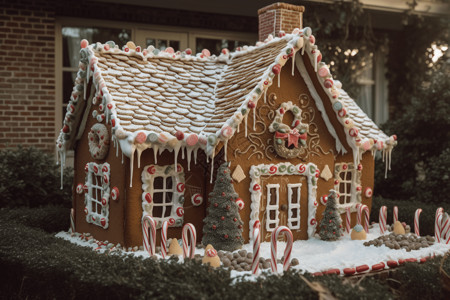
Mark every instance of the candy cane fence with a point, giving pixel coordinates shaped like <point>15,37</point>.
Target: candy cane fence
<point>149,233</point>
<point>164,227</point>
<point>416,221</point>
<point>287,251</point>
<point>437,224</point>
<point>360,209</point>
<point>395,215</point>
<point>72,221</point>
<point>256,246</point>
<point>347,220</point>
<point>383,219</point>
<point>189,249</point>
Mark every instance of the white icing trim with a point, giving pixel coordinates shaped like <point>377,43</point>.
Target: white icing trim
<point>285,169</point>
<point>272,207</point>
<point>292,205</point>
<point>355,189</point>
<point>148,176</point>
<point>94,170</point>
<point>312,90</point>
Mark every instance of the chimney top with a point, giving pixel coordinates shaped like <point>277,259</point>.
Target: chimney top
<point>279,17</point>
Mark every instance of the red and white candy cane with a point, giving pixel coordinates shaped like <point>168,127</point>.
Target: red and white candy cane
<point>437,224</point>
<point>164,227</point>
<point>347,220</point>
<point>149,233</point>
<point>383,219</point>
<point>416,221</point>
<point>445,226</point>
<point>256,246</point>
<point>287,251</point>
<point>189,249</point>
<point>363,208</point>
<point>395,214</point>
<point>72,221</point>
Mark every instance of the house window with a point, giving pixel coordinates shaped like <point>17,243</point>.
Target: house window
<point>294,205</point>
<point>163,193</point>
<point>273,202</point>
<point>348,183</point>
<point>97,194</point>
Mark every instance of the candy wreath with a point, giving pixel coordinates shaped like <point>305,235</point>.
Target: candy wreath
<point>98,141</point>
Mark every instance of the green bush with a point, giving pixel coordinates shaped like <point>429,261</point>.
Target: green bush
<point>406,211</point>
<point>30,177</point>
<point>37,265</point>
<point>48,218</point>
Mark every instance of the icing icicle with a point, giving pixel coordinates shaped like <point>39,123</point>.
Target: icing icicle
<point>133,148</point>
<point>245,122</point>
<point>254,119</point>
<point>293,64</point>
<point>212,164</point>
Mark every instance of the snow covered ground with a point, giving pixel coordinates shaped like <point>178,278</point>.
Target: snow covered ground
<point>316,255</point>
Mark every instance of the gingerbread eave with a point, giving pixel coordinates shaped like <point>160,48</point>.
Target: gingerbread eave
<point>172,100</point>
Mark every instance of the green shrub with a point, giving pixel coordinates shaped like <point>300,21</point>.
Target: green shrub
<point>406,211</point>
<point>30,177</point>
<point>47,218</point>
<point>37,265</point>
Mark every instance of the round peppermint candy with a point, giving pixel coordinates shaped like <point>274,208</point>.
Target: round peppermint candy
<point>80,187</point>
<point>240,203</point>
<point>115,193</point>
<point>197,199</point>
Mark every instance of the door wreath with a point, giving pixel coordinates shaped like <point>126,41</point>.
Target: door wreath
<point>288,140</point>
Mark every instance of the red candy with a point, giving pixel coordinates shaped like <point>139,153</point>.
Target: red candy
<point>188,51</point>
<point>84,43</point>
<point>276,69</point>
<point>179,135</point>
<point>251,104</point>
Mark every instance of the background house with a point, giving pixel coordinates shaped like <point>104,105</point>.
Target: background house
<point>40,43</point>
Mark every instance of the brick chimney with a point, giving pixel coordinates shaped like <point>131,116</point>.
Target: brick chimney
<point>279,17</point>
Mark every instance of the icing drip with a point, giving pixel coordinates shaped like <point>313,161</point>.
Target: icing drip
<point>212,165</point>
<point>225,144</point>
<point>189,154</point>
<point>265,97</point>
<point>176,149</point>
<point>139,152</point>
<point>84,87</point>
<point>254,119</point>
<point>293,64</point>
<point>279,75</point>
<point>182,152</point>
<point>387,159</point>
<point>315,62</point>
<point>245,122</point>
<point>195,155</point>
<point>133,148</point>
<point>155,150</point>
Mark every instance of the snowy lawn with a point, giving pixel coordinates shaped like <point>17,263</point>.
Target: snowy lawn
<point>316,255</point>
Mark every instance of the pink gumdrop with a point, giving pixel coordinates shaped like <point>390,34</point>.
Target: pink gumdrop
<point>170,50</point>
<point>105,46</point>
<point>192,139</point>
<point>312,39</point>
<point>206,53</point>
<point>84,43</point>
<point>323,72</point>
<point>140,137</point>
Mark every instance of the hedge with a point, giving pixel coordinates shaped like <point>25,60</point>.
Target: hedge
<point>406,211</point>
<point>36,264</point>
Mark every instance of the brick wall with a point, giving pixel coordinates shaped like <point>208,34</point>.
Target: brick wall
<point>27,74</point>
<point>279,17</point>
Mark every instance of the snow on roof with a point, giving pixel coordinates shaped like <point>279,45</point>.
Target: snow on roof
<point>173,100</point>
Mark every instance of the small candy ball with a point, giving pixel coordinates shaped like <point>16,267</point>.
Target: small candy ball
<point>84,43</point>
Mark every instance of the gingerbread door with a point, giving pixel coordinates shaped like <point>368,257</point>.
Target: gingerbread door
<point>282,202</point>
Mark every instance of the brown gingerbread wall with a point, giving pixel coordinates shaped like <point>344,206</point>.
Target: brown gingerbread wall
<point>255,149</point>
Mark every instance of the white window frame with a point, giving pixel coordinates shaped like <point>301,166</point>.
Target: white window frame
<point>291,205</point>
<point>97,178</point>
<point>354,195</point>
<point>272,207</point>
<point>149,173</point>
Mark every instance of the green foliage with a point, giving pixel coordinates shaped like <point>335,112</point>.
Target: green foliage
<point>30,177</point>
<point>48,218</point>
<point>223,224</point>
<point>406,211</point>
<point>421,160</point>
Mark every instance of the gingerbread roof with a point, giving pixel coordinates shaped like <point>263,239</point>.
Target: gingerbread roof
<point>175,100</point>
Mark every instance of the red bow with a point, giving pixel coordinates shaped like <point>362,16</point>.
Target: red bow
<point>292,137</point>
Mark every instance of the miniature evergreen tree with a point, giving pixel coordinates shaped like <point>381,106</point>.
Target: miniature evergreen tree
<point>223,225</point>
<point>331,223</point>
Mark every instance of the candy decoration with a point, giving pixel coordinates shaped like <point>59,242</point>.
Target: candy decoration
<point>256,246</point>
<point>368,192</point>
<point>180,187</point>
<point>437,224</point>
<point>276,69</point>
<point>197,199</point>
<point>72,221</point>
<point>287,251</point>
<point>115,193</point>
<point>164,227</point>
<point>180,211</point>
<point>240,203</point>
<point>416,221</point>
<point>84,43</point>
<point>189,249</point>
<point>324,199</point>
<point>347,220</point>
<point>206,53</point>
<point>80,188</point>
<point>363,208</point>
<point>395,214</point>
<point>149,233</point>
<point>383,219</point>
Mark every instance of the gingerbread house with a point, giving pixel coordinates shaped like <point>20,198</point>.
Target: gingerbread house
<point>150,127</point>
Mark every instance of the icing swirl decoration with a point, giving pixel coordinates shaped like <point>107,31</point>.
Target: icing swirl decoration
<point>98,141</point>
<point>288,140</point>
